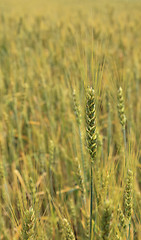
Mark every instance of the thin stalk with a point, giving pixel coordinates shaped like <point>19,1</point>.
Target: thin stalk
<point>109,131</point>
<point>91,203</point>
<point>82,156</point>
<point>94,225</point>
<point>125,146</point>
<point>50,177</point>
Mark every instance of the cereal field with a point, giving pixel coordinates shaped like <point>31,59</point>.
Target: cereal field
<point>70,120</point>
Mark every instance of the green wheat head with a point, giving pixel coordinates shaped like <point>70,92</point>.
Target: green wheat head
<point>91,124</point>
<point>106,219</point>
<point>76,108</point>
<point>127,198</point>
<point>79,178</point>
<point>87,226</point>
<point>122,220</point>
<point>28,225</point>
<point>67,233</point>
<point>121,111</point>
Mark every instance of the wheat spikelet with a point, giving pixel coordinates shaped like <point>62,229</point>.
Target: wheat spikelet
<point>87,226</point>
<point>28,226</point>
<point>120,106</point>
<point>122,220</point>
<point>127,198</point>
<point>67,233</point>
<point>76,108</point>
<point>79,177</point>
<point>91,124</point>
<point>106,220</point>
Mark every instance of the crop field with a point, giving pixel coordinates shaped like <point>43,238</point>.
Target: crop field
<point>70,120</point>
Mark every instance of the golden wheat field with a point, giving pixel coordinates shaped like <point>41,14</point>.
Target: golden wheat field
<point>70,120</point>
